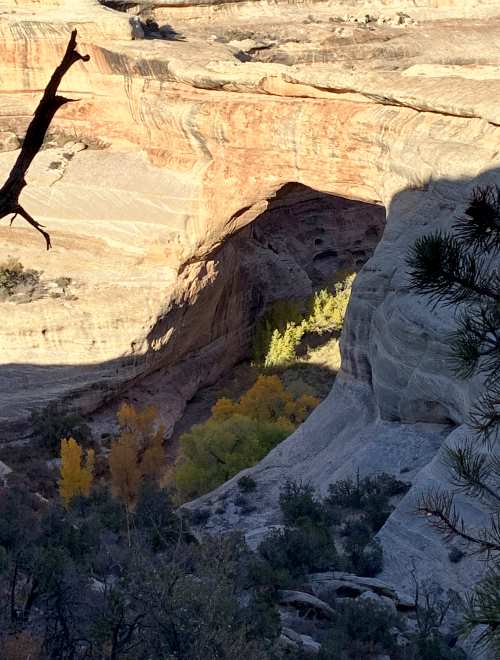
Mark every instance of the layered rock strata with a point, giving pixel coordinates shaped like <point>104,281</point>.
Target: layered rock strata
<point>191,132</point>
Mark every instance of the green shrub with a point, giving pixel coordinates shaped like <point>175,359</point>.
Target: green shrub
<point>246,484</point>
<point>363,553</point>
<point>456,555</point>
<point>294,552</point>
<point>370,496</point>
<point>63,282</point>
<point>300,505</point>
<point>154,518</point>
<point>303,510</point>
<point>52,424</point>
<point>359,630</point>
<point>199,516</point>
<point>434,647</point>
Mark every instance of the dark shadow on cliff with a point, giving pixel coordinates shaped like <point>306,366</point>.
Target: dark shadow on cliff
<point>212,331</point>
<point>152,29</point>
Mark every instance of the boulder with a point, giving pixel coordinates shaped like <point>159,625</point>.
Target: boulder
<point>306,603</point>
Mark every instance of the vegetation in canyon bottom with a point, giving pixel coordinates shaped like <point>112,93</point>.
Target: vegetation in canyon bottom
<point>240,433</point>
<point>108,574</point>
<point>24,285</point>
<point>105,568</point>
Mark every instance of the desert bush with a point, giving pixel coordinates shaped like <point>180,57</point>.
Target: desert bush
<point>456,555</point>
<point>369,495</point>
<point>299,504</point>
<point>295,552</point>
<point>199,517</point>
<point>246,484</point>
<point>53,424</point>
<point>155,520</point>
<point>63,282</point>
<point>303,510</point>
<point>14,278</point>
<point>359,630</point>
<point>357,493</point>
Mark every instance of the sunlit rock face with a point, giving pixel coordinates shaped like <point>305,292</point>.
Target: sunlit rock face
<point>192,121</point>
<point>183,133</point>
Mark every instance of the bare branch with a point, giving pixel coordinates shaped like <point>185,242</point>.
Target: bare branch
<point>35,135</point>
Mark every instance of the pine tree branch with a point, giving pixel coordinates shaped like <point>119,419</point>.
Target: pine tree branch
<point>441,267</point>
<point>483,608</point>
<point>484,416</point>
<point>480,228</point>
<point>439,505</point>
<point>471,472</point>
<point>476,343</point>
<point>35,135</point>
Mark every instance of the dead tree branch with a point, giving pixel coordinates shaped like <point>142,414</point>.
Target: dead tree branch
<point>35,135</point>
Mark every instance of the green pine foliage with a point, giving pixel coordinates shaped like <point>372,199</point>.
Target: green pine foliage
<point>457,269</point>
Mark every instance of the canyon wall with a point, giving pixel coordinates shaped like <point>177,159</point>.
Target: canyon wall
<point>176,143</point>
<point>189,127</point>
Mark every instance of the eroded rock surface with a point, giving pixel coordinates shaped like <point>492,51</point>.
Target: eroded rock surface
<point>194,123</point>
<point>187,144</point>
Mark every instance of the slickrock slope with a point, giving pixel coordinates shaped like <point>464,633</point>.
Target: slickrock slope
<point>195,117</point>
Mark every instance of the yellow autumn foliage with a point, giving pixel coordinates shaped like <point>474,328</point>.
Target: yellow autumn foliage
<point>277,336</point>
<point>137,453</point>
<point>76,474</point>
<point>238,434</point>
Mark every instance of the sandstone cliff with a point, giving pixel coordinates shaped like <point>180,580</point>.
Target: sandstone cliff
<point>195,117</point>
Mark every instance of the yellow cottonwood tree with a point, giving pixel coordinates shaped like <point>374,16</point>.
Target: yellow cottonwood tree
<point>238,434</point>
<point>266,400</point>
<point>137,453</point>
<point>76,475</point>
<point>125,472</point>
